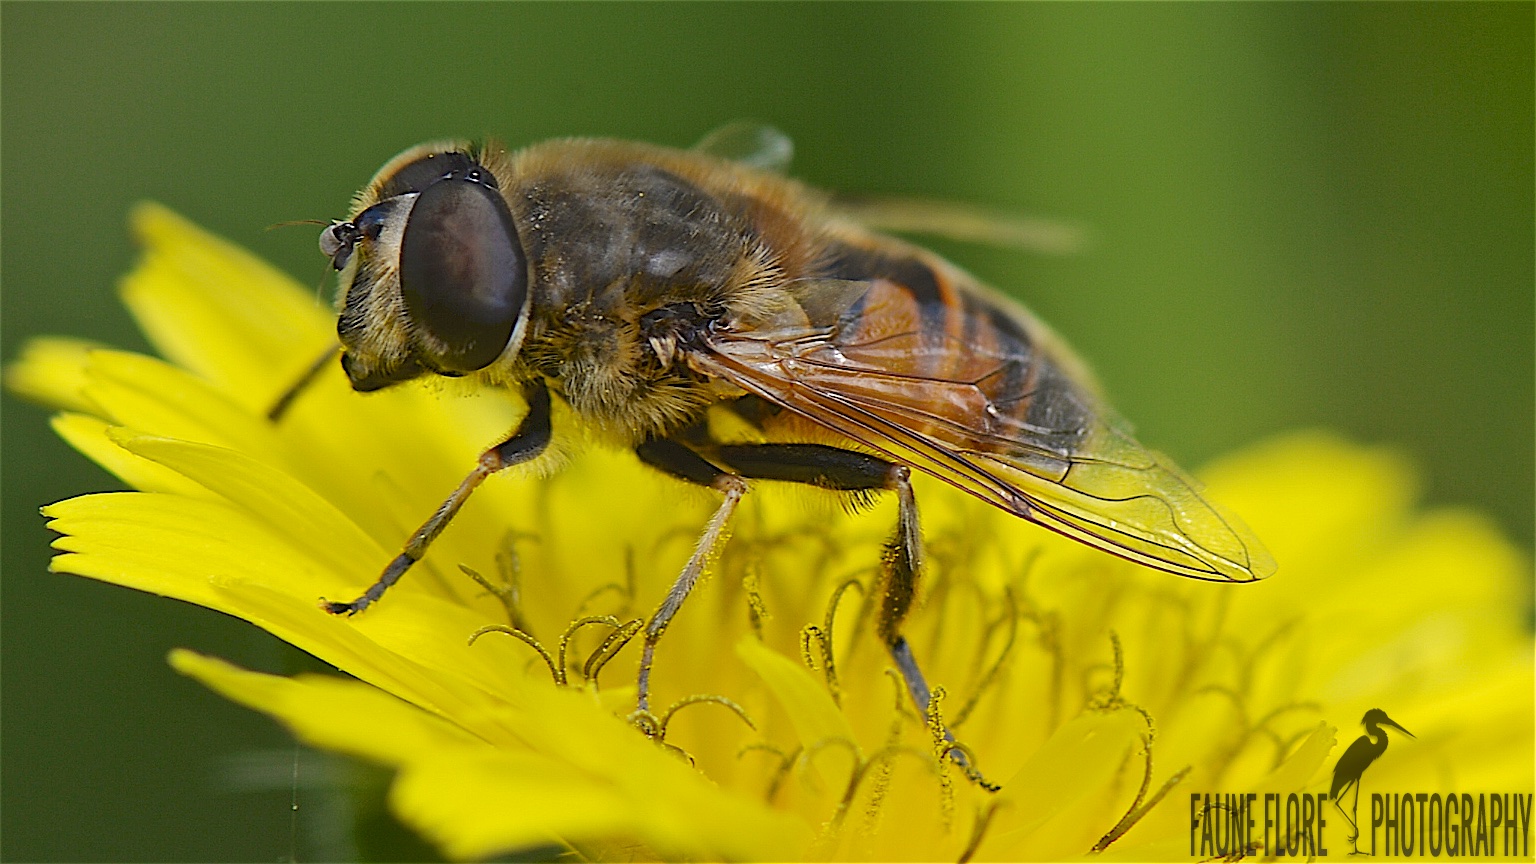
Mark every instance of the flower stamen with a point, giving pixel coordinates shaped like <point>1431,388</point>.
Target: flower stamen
<point>809,754</point>
<point>1047,638</point>
<point>881,785</point>
<point>943,745</point>
<point>509,565</point>
<point>882,780</point>
<point>647,723</point>
<point>902,711</point>
<point>586,603</point>
<point>1109,699</point>
<point>861,768</point>
<point>1146,783</point>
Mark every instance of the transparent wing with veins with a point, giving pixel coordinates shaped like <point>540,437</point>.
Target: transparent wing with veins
<point>997,407</point>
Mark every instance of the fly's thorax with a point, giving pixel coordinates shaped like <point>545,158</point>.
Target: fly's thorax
<point>619,356</point>
<point>607,223</point>
<point>635,254</point>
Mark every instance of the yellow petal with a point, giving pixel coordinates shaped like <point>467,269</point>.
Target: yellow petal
<point>296,618</point>
<point>51,370</point>
<point>287,507</point>
<point>1073,770</point>
<point>1316,500</point>
<point>156,398</point>
<point>476,800</point>
<point>469,798</point>
<point>1474,734</point>
<point>1300,769</point>
<point>329,712</point>
<point>91,437</point>
<point>124,537</point>
<point>167,544</point>
<point>680,809</point>
<point>817,721</point>
<point>475,806</point>
<point>223,313</point>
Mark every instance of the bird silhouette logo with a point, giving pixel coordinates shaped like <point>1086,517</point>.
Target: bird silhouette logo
<point>1360,755</point>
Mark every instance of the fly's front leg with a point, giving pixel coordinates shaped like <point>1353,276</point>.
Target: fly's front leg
<point>684,464</point>
<point>527,442</point>
<point>902,563</point>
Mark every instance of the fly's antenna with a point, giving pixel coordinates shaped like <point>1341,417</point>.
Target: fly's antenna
<point>285,401</point>
<point>292,222</point>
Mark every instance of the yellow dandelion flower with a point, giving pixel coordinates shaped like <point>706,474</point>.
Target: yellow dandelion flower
<point>497,681</point>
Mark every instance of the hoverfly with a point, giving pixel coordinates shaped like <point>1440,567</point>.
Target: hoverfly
<point>645,286</point>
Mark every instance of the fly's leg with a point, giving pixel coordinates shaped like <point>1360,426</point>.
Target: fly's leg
<point>899,573</point>
<point>280,408</point>
<point>850,471</point>
<point>813,464</point>
<point>684,464</point>
<point>528,441</point>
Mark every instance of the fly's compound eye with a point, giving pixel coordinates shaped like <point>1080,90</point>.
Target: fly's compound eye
<point>429,169</point>
<point>463,274</point>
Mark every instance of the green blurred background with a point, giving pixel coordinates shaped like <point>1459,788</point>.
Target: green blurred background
<point>1301,215</point>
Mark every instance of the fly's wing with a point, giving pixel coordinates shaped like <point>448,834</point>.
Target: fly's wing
<point>960,221</point>
<point>757,145</point>
<point>981,396</point>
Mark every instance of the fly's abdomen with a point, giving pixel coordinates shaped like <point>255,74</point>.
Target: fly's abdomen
<point>957,363</point>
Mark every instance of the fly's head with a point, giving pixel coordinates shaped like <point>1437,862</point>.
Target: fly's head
<point>432,271</point>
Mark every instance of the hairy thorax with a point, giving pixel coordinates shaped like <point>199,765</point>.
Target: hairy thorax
<point>611,374</point>
<point>632,262</point>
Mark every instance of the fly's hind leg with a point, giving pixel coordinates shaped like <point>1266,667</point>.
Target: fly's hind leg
<point>901,567</point>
